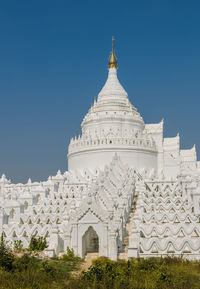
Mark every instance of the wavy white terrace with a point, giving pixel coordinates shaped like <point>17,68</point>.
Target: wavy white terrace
<point>129,191</point>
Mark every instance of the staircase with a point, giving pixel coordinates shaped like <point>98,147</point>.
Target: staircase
<point>88,260</point>
<point>124,254</point>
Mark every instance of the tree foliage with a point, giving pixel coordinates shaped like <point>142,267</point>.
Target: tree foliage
<point>152,273</point>
<point>56,273</point>
<point>6,256</point>
<point>37,244</point>
<point>18,245</point>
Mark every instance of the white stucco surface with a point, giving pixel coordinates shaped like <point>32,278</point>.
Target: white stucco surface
<point>129,191</point>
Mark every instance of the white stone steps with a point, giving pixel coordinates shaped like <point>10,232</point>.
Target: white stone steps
<point>124,254</point>
<point>89,259</point>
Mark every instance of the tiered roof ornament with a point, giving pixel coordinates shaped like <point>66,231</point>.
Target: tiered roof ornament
<point>112,60</point>
<point>112,89</point>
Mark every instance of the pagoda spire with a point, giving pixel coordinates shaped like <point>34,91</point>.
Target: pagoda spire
<point>112,60</point>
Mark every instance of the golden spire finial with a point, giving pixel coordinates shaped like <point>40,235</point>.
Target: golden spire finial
<point>112,60</point>
<point>113,43</point>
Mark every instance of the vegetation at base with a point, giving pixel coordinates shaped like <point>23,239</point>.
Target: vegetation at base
<point>18,246</point>
<point>57,273</point>
<point>6,256</point>
<point>152,273</point>
<point>30,272</point>
<point>70,256</point>
<point>37,244</point>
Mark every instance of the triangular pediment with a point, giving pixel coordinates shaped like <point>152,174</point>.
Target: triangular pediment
<point>154,249</point>
<point>176,221</point>
<point>170,249</point>
<point>188,221</point>
<point>181,234</point>
<point>165,220</point>
<point>89,217</point>
<point>154,234</point>
<point>166,234</point>
<point>172,211</point>
<point>187,249</point>
<point>195,234</point>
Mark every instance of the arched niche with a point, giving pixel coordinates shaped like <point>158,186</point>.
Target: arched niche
<point>90,241</point>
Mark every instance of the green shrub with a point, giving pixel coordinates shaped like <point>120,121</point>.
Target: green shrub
<point>31,272</point>
<point>70,256</point>
<point>26,261</point>
<point>37,244</point>
<point>18,245</point>
<point>149,264</point>
<point>70,252</point>
<point>154,273</point>
<point>6,256</point>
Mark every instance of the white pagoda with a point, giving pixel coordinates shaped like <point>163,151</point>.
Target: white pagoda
<point>129,192</point>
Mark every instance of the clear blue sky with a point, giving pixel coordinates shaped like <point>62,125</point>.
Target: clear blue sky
<point>53,62</point>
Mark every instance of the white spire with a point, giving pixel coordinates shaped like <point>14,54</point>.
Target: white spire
<point>112,89</point>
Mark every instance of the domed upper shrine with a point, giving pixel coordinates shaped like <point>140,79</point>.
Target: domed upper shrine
<point>112,125</point>
<point>112,108</point>
<point>112,90</point>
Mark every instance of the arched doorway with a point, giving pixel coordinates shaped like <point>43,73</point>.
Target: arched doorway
<point>90,241</point>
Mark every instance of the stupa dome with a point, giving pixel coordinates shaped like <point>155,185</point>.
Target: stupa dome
<point>112,125</point>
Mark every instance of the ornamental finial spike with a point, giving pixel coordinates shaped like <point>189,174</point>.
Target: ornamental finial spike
<point>112,60</point>
<point>113,43</point>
